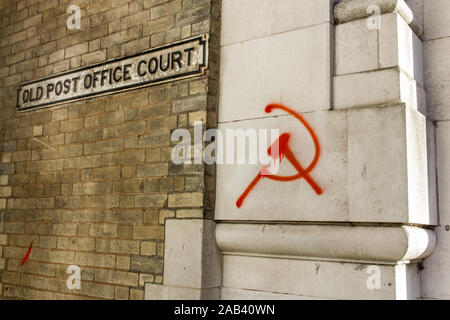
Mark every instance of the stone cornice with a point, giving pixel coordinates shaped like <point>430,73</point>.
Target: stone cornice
<point>329,242</point>
<point>349,10</point>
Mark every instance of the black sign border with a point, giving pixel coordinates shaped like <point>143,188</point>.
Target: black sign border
<point>203,41</point>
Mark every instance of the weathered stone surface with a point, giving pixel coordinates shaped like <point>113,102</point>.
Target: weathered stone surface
<point>305,90</point>
<point>243,21</point>
<point>146,264</point>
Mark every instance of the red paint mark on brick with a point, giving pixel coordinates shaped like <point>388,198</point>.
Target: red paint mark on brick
<point>27,255</point>
<point>284,151</point>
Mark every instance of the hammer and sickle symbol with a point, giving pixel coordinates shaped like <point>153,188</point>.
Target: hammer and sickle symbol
<point>282,145</point>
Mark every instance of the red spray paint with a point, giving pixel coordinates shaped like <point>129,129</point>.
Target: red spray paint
<point>27,255</point>
<point>282,145</point>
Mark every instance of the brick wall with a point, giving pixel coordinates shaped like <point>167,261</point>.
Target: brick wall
<point>91,183</point>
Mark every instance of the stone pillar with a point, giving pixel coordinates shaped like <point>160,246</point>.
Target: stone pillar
<point>361,91</point>
<point>436,39</point>
<point>192,260</point>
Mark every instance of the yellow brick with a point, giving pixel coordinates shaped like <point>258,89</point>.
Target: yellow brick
<point>63,243</point>
<point>158,279</point>
<point>57,285</point>
<point>164,214</point>
<point>65,229</point>
<point>99,290</point>
<point>160,249</point>
<point>48,242</point>
<point>101,260</point>
<point>191,199</point>
<point>4,180</point>
<point>123,278</point>
<point>84,230</point>
<point>125,231</point>
<point>195,117</point>
<point>145,278</point>
<point>82,244</point>
<point>39,282</point>
<point>101,245</point>
<point>59,296</point>
<point>136,294</point>
<point>104,230</point>
<point>122,293</point>
<point>37,130</point>
<point>43,295</point>
<point>101,275</point>
<point>148,248</point>
<point>123,262</point>
<point>124,246</point>
<point>149,232</point>
<point>3,239</point>
<point>190,213</point>
<point>6,158</point>
<point>151,217</point>
<point>62,257</point>
<point>5,191</point>
<point>197,87</point>
<point>86,274</point>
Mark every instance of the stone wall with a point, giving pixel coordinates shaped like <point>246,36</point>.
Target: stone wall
<point>365,201</point>
<point>435,17</point>
<point>90,183</point>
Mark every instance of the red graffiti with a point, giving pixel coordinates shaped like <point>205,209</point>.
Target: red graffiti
<point>27,255</point>
<point>282,145</point>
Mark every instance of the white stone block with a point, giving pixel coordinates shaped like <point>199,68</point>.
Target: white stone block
<point>412,94</point>
<point>360,49</point>
<point>437,23</point>
<point>435,279</point>
<point>400,47</point>
<point>380,87</point>
<point>191,257</point>
<point>319,279</point>
<point>292,68</point>
<point>432,173</point>
<point>437,62</point>
<point>368,88</point>
<point>294,200</point>
<point>407,282</point>
<point>356,47</point>
<point>421,206</point>
<point>443,168</point>
<point>388,169</point>
<point>251,19</point>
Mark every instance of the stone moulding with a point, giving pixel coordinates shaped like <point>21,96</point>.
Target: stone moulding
<point>353,243</point>
<point>349,10</point>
